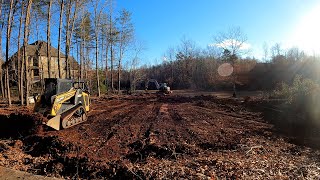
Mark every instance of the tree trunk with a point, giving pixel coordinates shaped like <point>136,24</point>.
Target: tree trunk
<point>119,75</point>
<point>67,38</point>
<point>119,69</point>
<point>77,43</point>
<point>97,70</point>
<point>25,43</point>
<point>19,52</point>
<point>111,50</point>
<point>111,66</point>
<point>96,22</point>
<point>59,38</point>
<point>22,77</point>
<point>5,82</point>
<point>8,85</point>
<point>234,76</point>
<point>10,19</point>
<point>1,81</point>
<point>107,50</point>
<point>49,38</point>
<point>86,67</point>
<point>1,72</point>
<point>71,32</point>
<point>81,58</point>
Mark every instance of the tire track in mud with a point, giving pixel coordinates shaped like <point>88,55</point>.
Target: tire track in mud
<point>240,118</point>
<point>93,135</point>
<point>107,108</point>
<point>244,123</point>
<point>152,142</point>
<point>191,130</point>
<point>228,111</point>
<point>112,131</point>
<point>207,128</point>
<point>166,135</point>
<point>134,130</point>
<point>122,127</point>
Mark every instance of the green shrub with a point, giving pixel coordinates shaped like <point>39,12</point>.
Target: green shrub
<point>300,90</point>
<point>103,88</point>
<point>302,99</point>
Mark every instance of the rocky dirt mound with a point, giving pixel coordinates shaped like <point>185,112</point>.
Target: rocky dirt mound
<point>17,123</point>
<point>143,137</point>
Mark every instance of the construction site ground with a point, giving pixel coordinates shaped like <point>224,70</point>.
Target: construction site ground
<point>150,136</point>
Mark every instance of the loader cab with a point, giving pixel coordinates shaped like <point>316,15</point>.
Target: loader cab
<point>55,86</point>
<point>81,85</point>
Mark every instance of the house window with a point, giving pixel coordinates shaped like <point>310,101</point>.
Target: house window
<point>36,62</point>
<point>36,72</point>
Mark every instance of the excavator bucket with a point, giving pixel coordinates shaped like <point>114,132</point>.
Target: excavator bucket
<point>55,122</point>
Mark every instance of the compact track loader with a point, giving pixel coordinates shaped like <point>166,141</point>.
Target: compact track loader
<point>65,102</point>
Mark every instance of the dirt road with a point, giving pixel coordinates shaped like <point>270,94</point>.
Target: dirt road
<point>146,136</point>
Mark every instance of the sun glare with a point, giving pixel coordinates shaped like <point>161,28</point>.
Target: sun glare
<point>307,33</point>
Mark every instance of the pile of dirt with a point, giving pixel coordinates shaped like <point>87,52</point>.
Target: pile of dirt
<point>19,123</point>
<point>150,137</point>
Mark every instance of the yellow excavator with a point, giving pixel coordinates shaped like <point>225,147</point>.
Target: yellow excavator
<point>65,102</point>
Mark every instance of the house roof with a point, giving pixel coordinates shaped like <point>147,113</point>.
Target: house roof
<point>40,48</point>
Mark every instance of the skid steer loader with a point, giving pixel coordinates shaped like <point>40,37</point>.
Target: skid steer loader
<point>65,102</point>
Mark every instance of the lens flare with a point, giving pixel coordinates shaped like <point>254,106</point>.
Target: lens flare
<point>225,69</point>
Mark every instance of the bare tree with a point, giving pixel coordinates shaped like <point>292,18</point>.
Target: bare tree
<point>67,28</point>
<point>295,54</point>
<point>135,74</point>
<point>125,36</point>
<point>1,63</point>
<point>106,36</point>
<point>70,26</point>
<point>8,36</point>
<point>233,40</point>
<point>20,65</point>
<point>170,56</point>
<point>25,43</point>
<point>212,51</point>
<point>61,3</point>
<point>112,35</point>
<point>233,43</point>
<point>276,50</point>
<point>265,51</point>
<point>97,25</point>
<point>187,48</point>
<point>49,38</point>
<point>187,51</point>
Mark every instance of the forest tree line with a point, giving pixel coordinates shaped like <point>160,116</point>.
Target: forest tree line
<point>187,66</point>
<point>98,33</point>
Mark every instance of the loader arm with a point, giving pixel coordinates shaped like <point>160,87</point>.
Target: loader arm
<point>58,107</point>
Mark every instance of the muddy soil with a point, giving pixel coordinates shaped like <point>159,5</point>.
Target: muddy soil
<point>153,137</point>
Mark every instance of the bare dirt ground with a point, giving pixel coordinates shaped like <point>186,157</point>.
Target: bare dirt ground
<point>155,137</point>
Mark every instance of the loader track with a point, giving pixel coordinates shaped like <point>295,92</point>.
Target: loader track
<point>73,117</point>
<point>74,120</point>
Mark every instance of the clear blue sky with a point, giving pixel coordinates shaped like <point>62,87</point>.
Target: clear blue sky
<point>162,23</point>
